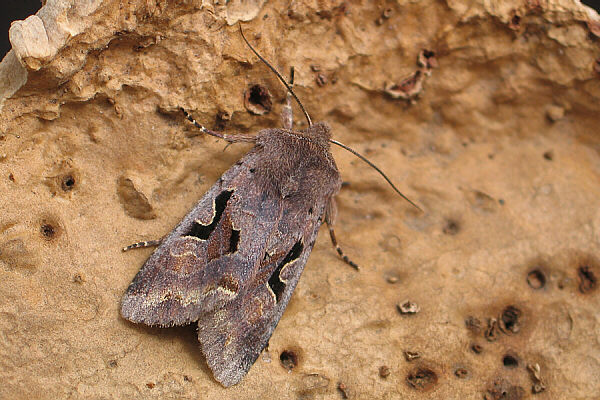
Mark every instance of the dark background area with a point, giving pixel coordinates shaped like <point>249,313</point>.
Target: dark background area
<point>11,10</point>
<point>595,4</point>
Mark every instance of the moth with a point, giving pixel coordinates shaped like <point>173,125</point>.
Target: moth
<point>234,260</point>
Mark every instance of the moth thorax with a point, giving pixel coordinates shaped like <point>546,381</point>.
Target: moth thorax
<point>320,133</point>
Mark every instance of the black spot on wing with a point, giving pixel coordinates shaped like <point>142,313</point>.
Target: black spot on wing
<point>275,282</point>
<point>203,231</point>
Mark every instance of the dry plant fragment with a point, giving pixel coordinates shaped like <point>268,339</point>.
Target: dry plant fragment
<point>408,89</point>
<point>385,15</point>
<point>411,355</point>
<point>384,371</point>
<point>411,87</point>
<point>343,390</point>
<point>408,307</point>
<point>535,371</point>
<point>491,333</point>
<point>321,80</point>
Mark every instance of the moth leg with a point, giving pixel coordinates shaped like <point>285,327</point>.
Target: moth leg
<point>138,245</point>
<point>224,136</point>
<point>330,214</point>
<point>287,117</point>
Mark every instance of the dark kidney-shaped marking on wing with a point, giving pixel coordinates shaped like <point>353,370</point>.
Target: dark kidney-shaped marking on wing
<point>203,232</point>
<point>275,282</point>
<point>234,239</point>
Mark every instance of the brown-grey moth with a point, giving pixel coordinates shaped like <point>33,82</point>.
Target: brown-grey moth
<point>234,260</point>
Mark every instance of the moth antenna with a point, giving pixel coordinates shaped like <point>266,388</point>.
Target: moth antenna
<point>288,87</point>
<point>365,159</point>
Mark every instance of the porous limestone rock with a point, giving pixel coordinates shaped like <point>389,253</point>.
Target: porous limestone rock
<point>485,113</point>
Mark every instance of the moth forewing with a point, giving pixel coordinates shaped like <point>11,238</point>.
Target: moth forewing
<point>236,257</point>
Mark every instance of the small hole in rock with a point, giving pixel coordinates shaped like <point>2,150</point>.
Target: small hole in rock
<point>289,359</point>
<point>587,279</point>
<point>536,279</point>
<point>548,155</point>
<point>67,182</point>
<point>422,379</point>
<point>48,231</point>
<point>504,390</point>
<point>426,58</point>
<point>221,120</point>
<point>428,53</point>
<point>384,371</point>
<point>258,100</point>
<point>461,373</point>
<point>509,320</point>
<point>452,227</point>
<point>563,283</point>
<point>476,348</point>
<point>510,361</point>
<point>473,324</point>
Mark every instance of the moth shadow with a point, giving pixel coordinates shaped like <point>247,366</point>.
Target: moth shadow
<point>356,194</point>
<point>362,187</point>
<point>186,335</point>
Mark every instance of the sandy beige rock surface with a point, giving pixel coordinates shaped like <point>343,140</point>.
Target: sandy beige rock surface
<point>497,140</point>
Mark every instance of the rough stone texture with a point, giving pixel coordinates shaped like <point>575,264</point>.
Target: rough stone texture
<point>501,149</point>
